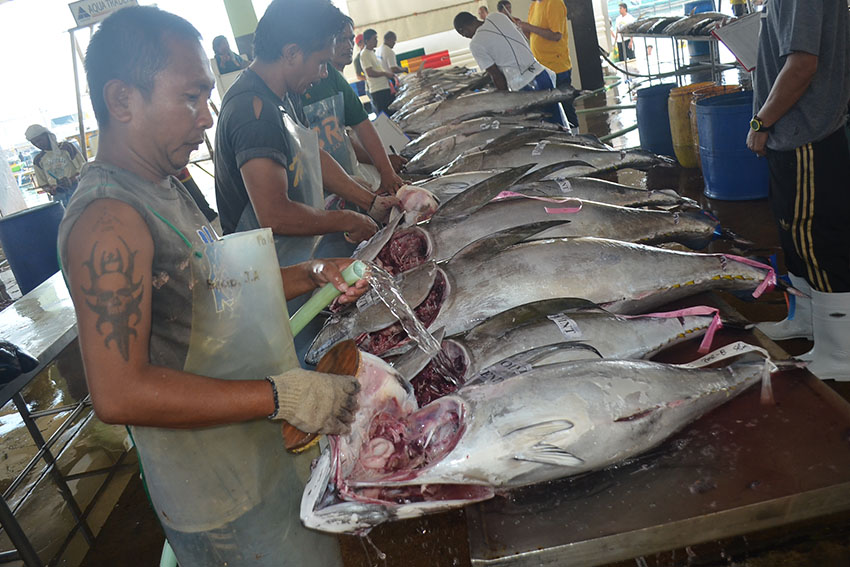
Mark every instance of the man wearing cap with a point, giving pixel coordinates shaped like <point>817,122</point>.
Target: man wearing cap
<point>57,166</point>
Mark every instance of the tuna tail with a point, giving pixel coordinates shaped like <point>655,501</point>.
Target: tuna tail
<point>478,195</point>
<point>496,327</point>
<point>491,245</point>
<point>545,171</point>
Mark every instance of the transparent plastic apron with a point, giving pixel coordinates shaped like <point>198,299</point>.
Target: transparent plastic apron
<point>305,186</point>
<point>230,495</point>
<point>327,118</point>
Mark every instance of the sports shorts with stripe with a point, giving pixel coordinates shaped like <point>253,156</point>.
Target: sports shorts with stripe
<point>810,198</point>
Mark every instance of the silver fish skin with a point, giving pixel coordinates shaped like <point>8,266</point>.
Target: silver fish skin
<point>552,422</point>
<point>445,150</point>
<point>485,280</point>
<point>455,183</point>
<point>584,188</point>
<point>597,160</point>
<point>496,125</point>
<point>447,237</point>
<point>610,335</point>
<point>480,104</point>
<point>519,335</point>
<point>622,277</point>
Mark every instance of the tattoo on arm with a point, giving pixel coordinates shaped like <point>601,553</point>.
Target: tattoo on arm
<point>106,223</point>
<point>113,295</point>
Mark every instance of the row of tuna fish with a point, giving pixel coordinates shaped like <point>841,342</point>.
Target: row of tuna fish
<point>538,286</point>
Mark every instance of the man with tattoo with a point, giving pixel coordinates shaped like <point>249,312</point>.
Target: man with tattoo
<point>161,304</point>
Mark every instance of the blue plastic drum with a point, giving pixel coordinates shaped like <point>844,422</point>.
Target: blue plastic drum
<point>29,242</point>
<point>731,171</point>
<point>653,119</point>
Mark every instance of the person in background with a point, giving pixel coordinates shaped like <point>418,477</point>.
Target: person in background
<point>504,7</point>
<point>226,60</point>
<point>358,67</point>
<point>134,249</point>
<point>354,115</point>
<point>377,80</point>
<point>547,31</point>
<point>483,12</point>
<point>626,51</point>
<point>387,55</point>
<point>500,49</point>
<point>801,89</point>
<point>270,171</point>
<point>57,166</point>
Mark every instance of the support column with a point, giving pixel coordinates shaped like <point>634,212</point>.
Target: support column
<point>580,14</point>
<point>243,22</point>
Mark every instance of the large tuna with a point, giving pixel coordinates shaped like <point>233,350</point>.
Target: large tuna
<point>480,104</point>
<point>497,273</point>
<point>544,154</point>
<point>552,422</point>
<point>546,332</point>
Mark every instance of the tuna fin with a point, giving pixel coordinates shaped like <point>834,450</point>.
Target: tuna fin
<point>498,325</point>
<point>549,441</point>
<point>545,171</point>
<point>372,247</point>
<point>498,241</point>
<point>547,454</point>
<point>478,195</point>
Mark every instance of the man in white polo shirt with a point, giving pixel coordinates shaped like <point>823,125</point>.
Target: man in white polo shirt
<point>377,80</point>
<point>500,49</point>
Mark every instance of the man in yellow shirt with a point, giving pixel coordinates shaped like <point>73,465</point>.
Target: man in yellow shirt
<point>550,43</point>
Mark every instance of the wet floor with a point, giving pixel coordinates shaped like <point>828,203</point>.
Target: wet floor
<point>131,535</point>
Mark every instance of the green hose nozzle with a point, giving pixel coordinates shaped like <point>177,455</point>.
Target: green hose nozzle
<point>354,272</point>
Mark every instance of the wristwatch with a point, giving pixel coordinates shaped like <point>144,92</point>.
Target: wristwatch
<point>756,125</point>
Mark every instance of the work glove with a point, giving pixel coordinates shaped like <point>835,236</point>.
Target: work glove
<point>315,402</point>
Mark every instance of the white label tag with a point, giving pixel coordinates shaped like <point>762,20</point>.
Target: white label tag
<point>568,327</point>
<point>538,149</point>
<point>507,368</point>
<point>564,184</point>
<point>492,125</point>
<point>729,351</point>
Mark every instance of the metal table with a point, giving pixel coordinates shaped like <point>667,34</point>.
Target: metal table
<point>680,68</point>
<point>742,468</point>
<point>43,323</point>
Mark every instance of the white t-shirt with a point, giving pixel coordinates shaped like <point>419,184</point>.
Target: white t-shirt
<point>623,21</point>
<point>369,60</point>
<point>387,57</point>
<point>498,42</point>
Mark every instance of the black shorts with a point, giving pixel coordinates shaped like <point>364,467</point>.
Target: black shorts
<point>382,100</point>
<point>810,197</point>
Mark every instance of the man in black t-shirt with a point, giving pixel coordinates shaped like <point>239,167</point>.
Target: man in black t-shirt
<point>255,164</point>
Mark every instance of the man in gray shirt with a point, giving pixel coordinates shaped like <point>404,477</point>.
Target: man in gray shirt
<point>802,87</point>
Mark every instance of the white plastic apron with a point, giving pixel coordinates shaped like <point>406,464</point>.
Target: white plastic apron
<point>327,119</point>
<point>305,186</point>
<point>230,495</point>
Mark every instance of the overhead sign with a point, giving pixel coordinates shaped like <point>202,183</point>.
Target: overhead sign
<point>90,11</point>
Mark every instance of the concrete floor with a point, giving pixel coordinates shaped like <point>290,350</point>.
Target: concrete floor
<point>131,535</point>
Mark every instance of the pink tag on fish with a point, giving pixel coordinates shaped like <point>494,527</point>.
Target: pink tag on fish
<point>550,210</point>
<point>769,281</point>
<point>707,339</point>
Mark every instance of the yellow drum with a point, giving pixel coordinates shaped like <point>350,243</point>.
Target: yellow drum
<point>699,94</point>
<point>678,106</point>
